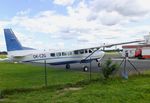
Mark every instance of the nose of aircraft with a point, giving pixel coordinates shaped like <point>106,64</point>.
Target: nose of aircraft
<point>102,53</point>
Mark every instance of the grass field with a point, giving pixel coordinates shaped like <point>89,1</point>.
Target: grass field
<point>22,83</point>
<point>3,56</point>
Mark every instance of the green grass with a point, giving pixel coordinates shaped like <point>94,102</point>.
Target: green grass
<point>3,56</point>
<point>22,83</point>
<point>28,76</point>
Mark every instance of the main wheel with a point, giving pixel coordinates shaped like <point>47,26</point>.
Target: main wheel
<point>85,68</point>
<point>99,64</point>
<point>67,66</point>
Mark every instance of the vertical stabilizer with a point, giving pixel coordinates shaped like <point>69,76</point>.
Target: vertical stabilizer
<point>12,43</point>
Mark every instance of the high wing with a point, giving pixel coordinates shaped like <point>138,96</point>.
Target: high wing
<point>110,45</point>
<point>115,44</point>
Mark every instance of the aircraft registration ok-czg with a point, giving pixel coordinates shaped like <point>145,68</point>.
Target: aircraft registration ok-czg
<point>18,53</point>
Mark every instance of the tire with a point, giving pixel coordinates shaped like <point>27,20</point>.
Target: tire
<point>99,64</point>
<point>67,66</point>
<point>85,68</point>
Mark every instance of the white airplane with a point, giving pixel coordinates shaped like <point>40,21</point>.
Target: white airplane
<point>18,53</point>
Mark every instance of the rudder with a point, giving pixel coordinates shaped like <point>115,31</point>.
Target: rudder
<point>12,43</point>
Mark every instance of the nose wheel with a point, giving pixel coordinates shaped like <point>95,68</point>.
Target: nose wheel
<point>85,68</point>
<point>67,66</point>
<point>99,64</point>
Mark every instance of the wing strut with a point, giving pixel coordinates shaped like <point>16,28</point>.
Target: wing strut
<point>89,55</point>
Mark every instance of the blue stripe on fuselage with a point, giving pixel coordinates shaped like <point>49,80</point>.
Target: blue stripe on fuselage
<point>61,63</point>
<point>70,62</point>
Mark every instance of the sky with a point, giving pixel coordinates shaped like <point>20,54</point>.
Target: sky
<point>73,24</point>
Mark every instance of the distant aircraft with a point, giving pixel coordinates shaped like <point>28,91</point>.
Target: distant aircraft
<point>18,53</point>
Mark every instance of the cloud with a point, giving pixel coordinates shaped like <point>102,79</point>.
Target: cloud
<point>110,18</point>
<point>86,24</point>
<point>24,12</point>
<point>64,2</point>
<point>112,12</point>
<point>125,7</point>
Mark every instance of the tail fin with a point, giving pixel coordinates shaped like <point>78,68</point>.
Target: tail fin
<point>12,43</point>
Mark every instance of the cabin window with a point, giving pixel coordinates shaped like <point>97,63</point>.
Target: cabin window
<point>58,54</point>
<point>69,53</point>
<point>64,53</point>
<point>86,51</point>
<point>52,54</point>
<point>81,51</point>
<point>76,52</point>
<point>90,51</point>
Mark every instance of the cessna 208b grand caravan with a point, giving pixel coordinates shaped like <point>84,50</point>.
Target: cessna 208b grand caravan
<point>18,53</point>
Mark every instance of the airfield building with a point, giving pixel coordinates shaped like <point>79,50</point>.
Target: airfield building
<point>141,51</point>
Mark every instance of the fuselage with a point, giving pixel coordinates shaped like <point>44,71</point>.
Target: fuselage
<point>55,57</point>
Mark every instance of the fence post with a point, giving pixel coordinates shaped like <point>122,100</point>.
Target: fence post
<point>45,73</point>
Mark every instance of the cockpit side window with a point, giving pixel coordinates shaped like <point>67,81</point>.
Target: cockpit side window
<point>64,53</point>
<point>69,53</point>
<point>86,51</point>
<point>52,54</point>
<point>58,54</point>
<point>76,52</point>
<point>81,51</point>
<point>90,51</point>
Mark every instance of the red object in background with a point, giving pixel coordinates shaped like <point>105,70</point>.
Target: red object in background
<point>141,52</point>
<point>138,52</point>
